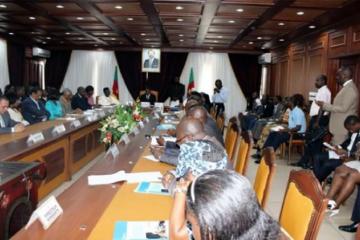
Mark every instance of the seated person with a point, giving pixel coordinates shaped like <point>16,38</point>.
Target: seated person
<point>43,96</point>
<point>90,95</point>
<point>326,162</point>
<point>80,101</point>
<point>148,97</point>
<point>7,125</point>
<point>108,98</point>
<point>296,125</point>
<point>13,110</point>
<point>198,152</point>
<point>53,106</point>
<point>32,109</point>
<point>219,204</point>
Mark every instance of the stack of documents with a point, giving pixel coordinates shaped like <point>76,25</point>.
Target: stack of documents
<point>122,176</point>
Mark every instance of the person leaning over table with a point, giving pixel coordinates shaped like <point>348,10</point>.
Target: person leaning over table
<point>7,125</point>
<point>53,106</point>
<point>198,152</point>
<point>32,109</point>
<point>219,205</point>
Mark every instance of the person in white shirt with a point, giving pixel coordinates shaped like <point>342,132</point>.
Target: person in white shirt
<point>220,97</point>
<point>108,98</point>
<point>13,110</point>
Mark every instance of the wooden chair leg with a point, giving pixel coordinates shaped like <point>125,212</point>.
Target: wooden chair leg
<point>289,153</point>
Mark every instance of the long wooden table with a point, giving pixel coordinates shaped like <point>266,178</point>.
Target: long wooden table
<point>64,154</point>
<point>83,204</point>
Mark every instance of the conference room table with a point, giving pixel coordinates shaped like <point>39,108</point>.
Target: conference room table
<point>91,211</point>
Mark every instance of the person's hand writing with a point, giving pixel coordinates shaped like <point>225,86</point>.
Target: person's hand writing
<point>157,152</point>
<point>166,179</point>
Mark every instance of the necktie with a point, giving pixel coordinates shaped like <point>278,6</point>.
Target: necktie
<point>2,123</point>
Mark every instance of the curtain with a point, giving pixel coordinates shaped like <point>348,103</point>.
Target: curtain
<point>4,69</point>
<point>207,68</point>
<point>94,68</point>
<point>130,67</point>
<point>247,71</point>
<point>55,68</point>
<point>16,63</point>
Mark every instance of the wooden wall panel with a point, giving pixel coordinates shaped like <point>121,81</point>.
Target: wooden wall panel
<point>297,75</point>
<point>355,38</point>
<point>284,80</point>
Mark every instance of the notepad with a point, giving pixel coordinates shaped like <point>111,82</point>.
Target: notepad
<point>163,127</point>
<point>107,179</point>
<point>277,128</point>
<point>141,230</point>
<point>152,188</point>
<point>167,139</point>
<point>143,177</point>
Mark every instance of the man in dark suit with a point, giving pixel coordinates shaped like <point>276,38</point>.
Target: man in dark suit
<point>177,91</point>
<point>355,217</point>
<point>7,125</point>
<point>326,162</point>
<point>151,62</point>
<point>32,109</point>
<point>148,97</point>
<point>80,101</point>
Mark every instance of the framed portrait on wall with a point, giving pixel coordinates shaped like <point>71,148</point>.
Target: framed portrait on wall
<point>150,60</point>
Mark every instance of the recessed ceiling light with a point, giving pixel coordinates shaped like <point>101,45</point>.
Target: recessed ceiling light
<point>106,34</point>
<point>147,39</point>
<point>312,26</point>
<point>262,47</point>
<point>80,18</point>
<point>118,7</point>
<point>33,32</point>
<point>32,18</point>
<point>95,45</point>
<point>67,33</point>
<point>259,38</point>
<point>59,6</point>
<point>44,42</point>
<point>181,35</point>
<point>239,10</point>
<point>216,41</point>
<point>113,39</point>
<point>80,38</point>
<point>281,24</point>
<point>181,40</point>
<point>180,20</point>
<point>48,38</point>
<point>219,36</point>
<point>211,48</point>
<point>179,8</point>
<point>3,6</point>
<point>143,34</point>
<point>11,33</point>
<point>231,21</point>
<point>130,19</point>
<point>251,43</point>
<point>300,13</point>
<point>281,40</point>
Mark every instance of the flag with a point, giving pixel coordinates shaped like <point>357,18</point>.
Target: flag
<point>115,87</point>
<point>191,84</point>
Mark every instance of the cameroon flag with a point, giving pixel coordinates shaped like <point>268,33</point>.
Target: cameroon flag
<point>191,84</point>
<point>115,86</point>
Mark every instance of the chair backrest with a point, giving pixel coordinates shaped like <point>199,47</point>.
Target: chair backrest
<point>231,121</point>
<point>220,121</point>
<point>264,175</point>
<point>213,111</point>
<point>358,233</point>
<point>230,141</point>
<point>243,155</point>
<point>155,93</point>
<point>304,206</point>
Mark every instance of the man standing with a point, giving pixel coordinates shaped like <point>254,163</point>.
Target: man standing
<point>346,103</point>
<point>33,110</point>
<point>220,97</point>
<point>177,91</point>
<point>7,125</point>
<point>318,119</point>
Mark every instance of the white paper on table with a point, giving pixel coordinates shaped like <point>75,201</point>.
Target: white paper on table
<point>151,158</point>
<point>167,139</point>
<point>106,179</point>
<point>277,128</point>
<point>143,177</point>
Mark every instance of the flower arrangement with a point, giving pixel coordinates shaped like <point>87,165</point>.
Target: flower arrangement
<point>121,122</point>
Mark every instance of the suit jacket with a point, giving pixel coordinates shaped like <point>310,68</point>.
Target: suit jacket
<point>32,113</point>
<point>346,103</point>
<point>211,129</point>
<point>9,123</point>
<point>80,102</point>
<point>346,143</point>
<point>155,63</point>
<point>151,98</point>
<point>177,92</point>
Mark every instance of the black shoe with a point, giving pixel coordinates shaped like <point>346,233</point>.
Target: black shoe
<point>257,161</point>
<point>349,228</point>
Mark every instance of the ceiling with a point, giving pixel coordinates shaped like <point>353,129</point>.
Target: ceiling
<point>244,25</point>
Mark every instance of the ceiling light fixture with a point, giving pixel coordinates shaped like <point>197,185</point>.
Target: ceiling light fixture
<point>143,34</point>
<point>180,20</point>
<point>118,7</point>
<point>106,34</point>
<point>32,18</point>
<point>11,33</point>
<point>300,13</point>
<point>216,41</point>
<point>231,21</point>
<point>95,45</point>
<point>281,40</point>
<point>113,39</point>
<point>130,19</point>
<point>259,38</point>
<point>239,10</point>
<point>181,35</point>
<point>251,43</point>
<point>147,39</point>
<point>67,33</point>
<point>80,38</point>
<point>219,36</point>
<point>59,6</point>
<point>181,40</point>
<point>281,24</point>
<point>312,26</point>
<point>179,8</point>
<point>3,6</point>
<point>48,38</point>
<point>211,48</point>
<point>80,18</point>
<point>44,42</point>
